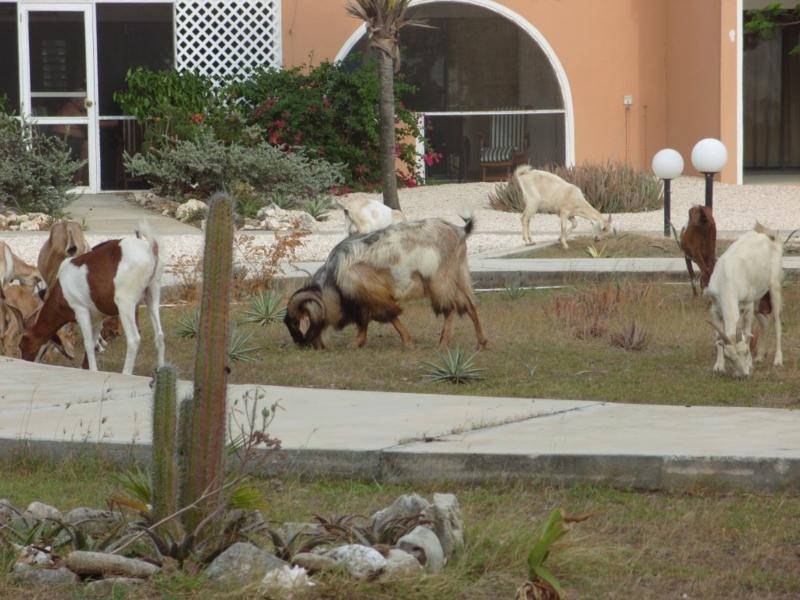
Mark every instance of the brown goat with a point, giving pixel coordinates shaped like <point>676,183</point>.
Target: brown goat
<point>66,239</point>
<point>18,309</point>
<point>12,267</point>
<point>366,277</point>
<point>699,244</point>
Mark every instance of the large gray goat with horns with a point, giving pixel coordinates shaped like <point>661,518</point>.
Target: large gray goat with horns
<point>366,277</point>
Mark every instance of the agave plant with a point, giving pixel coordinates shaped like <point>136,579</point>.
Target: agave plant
<point>265,307</point>
<point>542,584</point>
<point>453,366</point>
<point>318,207</point>
<point>632,338</point>
<point>188,322</point>
<point>596,252</point>
<point>514,291</point>
<point>240,349</point>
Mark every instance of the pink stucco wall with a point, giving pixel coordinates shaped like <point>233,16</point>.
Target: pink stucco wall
<point>673,56</point>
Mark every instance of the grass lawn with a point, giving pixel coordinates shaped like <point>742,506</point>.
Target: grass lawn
<point>636,545</point>
<point>546,344</point>
<point>623,246</point>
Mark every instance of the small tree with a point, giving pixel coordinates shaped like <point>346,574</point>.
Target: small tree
<point>384,19</point>
<point>764,23</point>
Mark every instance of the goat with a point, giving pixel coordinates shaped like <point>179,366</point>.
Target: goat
<point>107,281</point>
<point>366,276</point>
<point>12,267</point>
<point>547,193</point>
<point>18,308</point>
<point>65,240</point>
<point>698,242</point>
<point>363,215</point>
<point>743,275</point>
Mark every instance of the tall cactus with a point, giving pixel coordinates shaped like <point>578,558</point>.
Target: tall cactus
<point>203,464</point>
<point>164,473</point>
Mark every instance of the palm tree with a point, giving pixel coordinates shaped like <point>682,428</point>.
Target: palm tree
<point>384,19</point>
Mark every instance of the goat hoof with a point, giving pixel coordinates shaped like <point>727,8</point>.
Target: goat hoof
<point>483,345</point>
<point>778,362</point>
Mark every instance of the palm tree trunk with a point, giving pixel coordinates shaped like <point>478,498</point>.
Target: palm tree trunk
<point>387,117</point>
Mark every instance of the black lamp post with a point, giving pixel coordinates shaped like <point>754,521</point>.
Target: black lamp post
<point>667,165</point>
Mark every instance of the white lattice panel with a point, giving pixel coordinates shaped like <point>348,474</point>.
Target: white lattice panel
<point>227,37</point>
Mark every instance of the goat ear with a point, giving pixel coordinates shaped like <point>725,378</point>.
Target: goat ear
<point>61,344</point>
<point>305,324</point>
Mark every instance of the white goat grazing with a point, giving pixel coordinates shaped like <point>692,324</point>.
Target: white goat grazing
<point>748,269</point>
<point>363,215</point>
<point>13,267</point>
<point>544,192</point>
<point>109,280</point>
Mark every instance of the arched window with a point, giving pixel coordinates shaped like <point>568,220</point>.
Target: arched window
<point>487,92</point>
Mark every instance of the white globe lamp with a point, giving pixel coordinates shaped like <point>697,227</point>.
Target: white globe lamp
<point>667,165</point>
<point>709,156</point>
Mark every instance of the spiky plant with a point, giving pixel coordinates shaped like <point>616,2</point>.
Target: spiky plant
<point>165,426</point>
<point>632,338</point>
<point>596,252</point>
<point>507,197</point>
<point>514,291</point>
<point>188,322</point>
<point>266,307</point>
<point>453,366</point>
<point>318,207</point>
<point>240,349</point>
<point>203,461</point>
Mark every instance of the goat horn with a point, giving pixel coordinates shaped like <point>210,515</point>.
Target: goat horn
<point>301,296</point>
<point>721,332</point>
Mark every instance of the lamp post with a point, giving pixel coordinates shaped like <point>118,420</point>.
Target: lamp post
<point>709,156</point>
<point>667,165</point>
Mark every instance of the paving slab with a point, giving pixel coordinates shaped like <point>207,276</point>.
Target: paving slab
<point>390,436</point>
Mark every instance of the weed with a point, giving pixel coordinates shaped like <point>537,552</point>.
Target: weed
<point>453,366</point>
<point>596,252</point>
<point>632,338</point>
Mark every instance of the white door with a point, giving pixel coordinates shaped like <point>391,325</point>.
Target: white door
<point>56,48</point>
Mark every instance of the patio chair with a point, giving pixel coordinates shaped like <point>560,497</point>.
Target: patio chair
<point>508,147</point>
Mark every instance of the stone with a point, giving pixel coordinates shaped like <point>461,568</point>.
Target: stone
<point>313,563</point>
<point>37,576</point>
<point>423,544</point>
<point>92,521</point>
<point>7,511</point>
<point>448,524</point>
<point>275,218</point>
<point>191,210</point>
<point>252,223</point>
<point>35,556</point>
<point>251,521</point>
<point>112,587</point>
<point>404,506</point>
<point>400,564</point>
<point>100,563</point>
<point>285,581</point>
<point>291,529</point>
<point>40,511</point>
<point>243,563</point>
<point>362,562</point>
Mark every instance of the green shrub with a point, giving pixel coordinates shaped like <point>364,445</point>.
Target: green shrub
<point>36,169</point>
<point>331,110</point>
<point>205,164</point>
<point>611,188</point>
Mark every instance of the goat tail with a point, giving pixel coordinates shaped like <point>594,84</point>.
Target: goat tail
<point>146,232</point>
<point>469,223</point>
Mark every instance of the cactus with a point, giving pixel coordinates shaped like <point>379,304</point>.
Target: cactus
<point>204,454</point>
<point>164,473</point>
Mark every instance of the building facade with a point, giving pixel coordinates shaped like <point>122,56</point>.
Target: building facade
<point>586,80</point>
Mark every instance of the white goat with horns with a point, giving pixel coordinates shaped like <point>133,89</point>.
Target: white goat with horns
<point>748,269</point>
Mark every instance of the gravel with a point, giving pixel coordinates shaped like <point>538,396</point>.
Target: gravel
<point>736,209</point>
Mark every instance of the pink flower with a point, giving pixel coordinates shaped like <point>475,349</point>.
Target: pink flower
<point>197,118</point>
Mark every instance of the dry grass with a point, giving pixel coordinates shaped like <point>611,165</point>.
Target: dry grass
<point>533,351</point>
<point>648,546</point>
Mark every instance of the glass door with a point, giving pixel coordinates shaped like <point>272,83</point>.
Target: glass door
<point>56,48</point>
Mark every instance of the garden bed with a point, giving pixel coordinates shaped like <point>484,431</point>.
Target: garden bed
<point>542,343</point>
<point>635,545</point>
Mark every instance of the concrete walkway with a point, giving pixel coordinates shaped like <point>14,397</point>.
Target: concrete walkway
<point>406,437</point>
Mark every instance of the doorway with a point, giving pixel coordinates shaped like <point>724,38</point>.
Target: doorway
<point>56,49</point>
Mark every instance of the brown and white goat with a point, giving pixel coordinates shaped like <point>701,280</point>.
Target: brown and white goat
<point>744,274</point>
<point>12,268</point>
<point>18,309</point>
<point>66,239</point>
<point>698,242</point>
<point>367,276</point>
<point>545,192</point>
<point>107,281</point>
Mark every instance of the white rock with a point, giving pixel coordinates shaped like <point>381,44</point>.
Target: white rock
<point>285,581</point>
<point>189,210</point>
<point>448,523</point>
<point>274,218</point>
<point>400,564</point>
<point>7,511</point>
<point>360,561</point>
<point>407,505</point>
<point>313,563</point>
<point>423,544</point>
<point>243,563</point>
<point>39,510</point>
